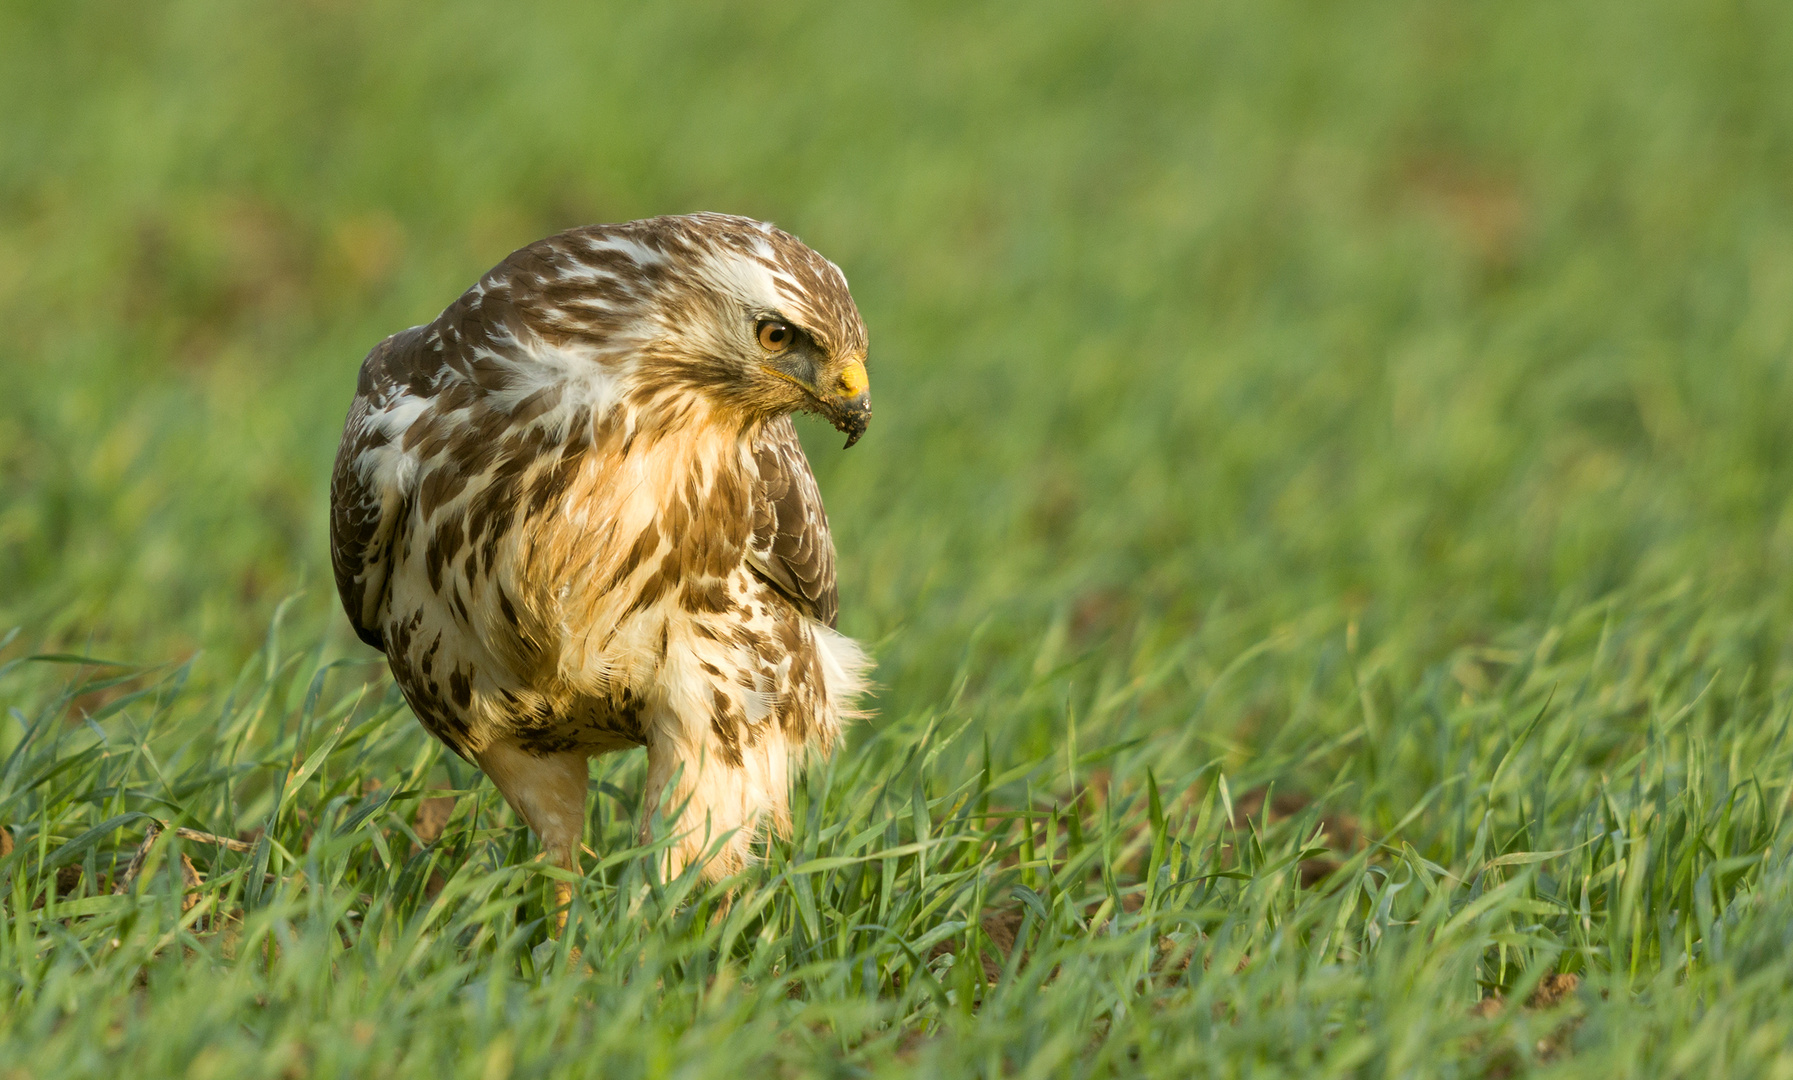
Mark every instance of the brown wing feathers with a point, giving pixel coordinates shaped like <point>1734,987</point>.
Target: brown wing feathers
<point>791,546</point>
<point>363,514</point>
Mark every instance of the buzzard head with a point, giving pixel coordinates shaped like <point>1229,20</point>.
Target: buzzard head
<point>735,311</point>
<point>772,329</point>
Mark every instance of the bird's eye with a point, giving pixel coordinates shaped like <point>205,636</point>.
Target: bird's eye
<point>776,336</point>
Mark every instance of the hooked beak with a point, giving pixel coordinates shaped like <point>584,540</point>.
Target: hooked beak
<point>848,404</point>
<point>844,398</point>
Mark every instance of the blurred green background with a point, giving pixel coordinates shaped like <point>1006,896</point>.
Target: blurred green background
<point>1248,375</point>
<point>1435,312</point>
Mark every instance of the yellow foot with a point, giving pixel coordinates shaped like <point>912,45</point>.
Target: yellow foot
<point>563,899</point>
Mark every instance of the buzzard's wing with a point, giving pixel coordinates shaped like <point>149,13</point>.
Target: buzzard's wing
<point>791,547</point>
<point>368,494</point>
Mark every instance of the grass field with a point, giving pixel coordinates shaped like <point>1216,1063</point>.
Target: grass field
<point>1325,537</point>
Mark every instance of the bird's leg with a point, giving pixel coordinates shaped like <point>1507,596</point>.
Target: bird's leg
<point>548,791</point>
<point>714,805</point>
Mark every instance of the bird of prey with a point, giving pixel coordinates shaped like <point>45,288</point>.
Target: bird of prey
<point>574,514</point>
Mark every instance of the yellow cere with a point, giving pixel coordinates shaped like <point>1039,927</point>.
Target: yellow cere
<point>853,380</point>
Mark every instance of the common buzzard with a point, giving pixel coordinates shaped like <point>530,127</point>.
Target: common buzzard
<point>574,514</point>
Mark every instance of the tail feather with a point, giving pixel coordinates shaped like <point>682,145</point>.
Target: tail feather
<point>846,674</point>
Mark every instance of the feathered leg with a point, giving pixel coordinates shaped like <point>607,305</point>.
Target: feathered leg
<point>714,805</point>
<point>549,792</point>
<point>720,754</point>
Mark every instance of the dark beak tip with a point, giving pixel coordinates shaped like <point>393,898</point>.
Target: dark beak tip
<point>850,417</point>
<point>854,426</point>
<point>853,422</point>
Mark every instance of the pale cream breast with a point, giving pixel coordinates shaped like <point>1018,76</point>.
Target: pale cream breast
<point>606,570</point>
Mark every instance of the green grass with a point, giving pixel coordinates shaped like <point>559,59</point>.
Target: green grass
<point>1379,413</point>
